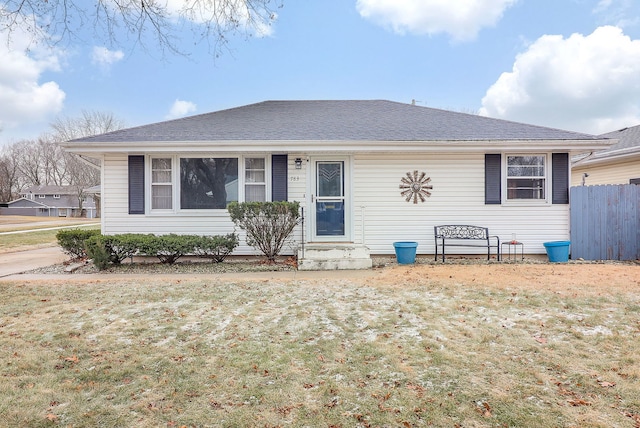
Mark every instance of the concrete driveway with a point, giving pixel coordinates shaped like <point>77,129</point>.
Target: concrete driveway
<point>22,261</point>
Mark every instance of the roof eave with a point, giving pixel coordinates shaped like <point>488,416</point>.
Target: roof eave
<point>612,157</point>
<point>573,146</point>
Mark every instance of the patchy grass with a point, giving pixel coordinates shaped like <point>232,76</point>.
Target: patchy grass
<point>31,236</point>
<point>332,353</point>
<point>24,241</point>
<point>9,223</point>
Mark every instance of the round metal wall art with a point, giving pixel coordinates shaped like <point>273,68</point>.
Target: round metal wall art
<point>415,186</point>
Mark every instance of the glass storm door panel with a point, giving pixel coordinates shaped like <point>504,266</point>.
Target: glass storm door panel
<point>330,199</point>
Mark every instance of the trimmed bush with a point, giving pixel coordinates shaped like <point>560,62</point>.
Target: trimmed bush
<point>113,249</point>
<point>216,248</point>
<point>73,241</point>
<point>122,246</point>
<point>168,248</point>
<point>267,224</point>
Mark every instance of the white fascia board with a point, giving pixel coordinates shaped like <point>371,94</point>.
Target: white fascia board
<point>612,157</point>
<point>235,146</point>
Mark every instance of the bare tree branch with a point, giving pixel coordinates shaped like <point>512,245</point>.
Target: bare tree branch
<point>151,23</point>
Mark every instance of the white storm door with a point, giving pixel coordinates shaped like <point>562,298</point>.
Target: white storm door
<point>329,200</point>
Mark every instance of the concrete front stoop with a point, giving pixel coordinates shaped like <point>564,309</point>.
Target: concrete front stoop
<point>334,257</point>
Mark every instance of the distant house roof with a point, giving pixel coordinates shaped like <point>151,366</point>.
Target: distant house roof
<point>25,203</point>
<point>628,143</point>
<point>94,190</point>
<point>51,190</point>
<point>375,120</point>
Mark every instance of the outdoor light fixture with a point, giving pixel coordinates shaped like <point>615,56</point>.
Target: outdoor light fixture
<point>298,163</point>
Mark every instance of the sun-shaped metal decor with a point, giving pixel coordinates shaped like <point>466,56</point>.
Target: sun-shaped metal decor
<point>415,186</point>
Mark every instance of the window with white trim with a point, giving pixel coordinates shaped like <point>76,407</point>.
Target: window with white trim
<point>526,177</point>
<point>255,176</point>
<point>56,196</point>
<point>41,196</point>
<point>208,183</point>
<point>161,184</point>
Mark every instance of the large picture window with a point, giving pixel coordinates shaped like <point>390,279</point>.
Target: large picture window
<point>208,183</point>
<point>526,177</point>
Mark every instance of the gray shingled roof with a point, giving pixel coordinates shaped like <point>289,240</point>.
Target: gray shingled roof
<point>628,138</point>
<point>374,120</point>
<point>51,190</point>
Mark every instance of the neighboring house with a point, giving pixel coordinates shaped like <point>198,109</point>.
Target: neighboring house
<point>52,201</point>
<point>367,174</point>
<point>618,164</point>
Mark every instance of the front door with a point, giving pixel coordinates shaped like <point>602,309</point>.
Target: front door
<point>329,200</point>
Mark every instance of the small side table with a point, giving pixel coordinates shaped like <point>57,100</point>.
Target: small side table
<point>512,247</point>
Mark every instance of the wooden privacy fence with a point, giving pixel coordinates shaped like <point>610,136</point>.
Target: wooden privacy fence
<point>605,222</point>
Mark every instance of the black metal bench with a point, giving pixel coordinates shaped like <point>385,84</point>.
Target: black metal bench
<point>457,233</point>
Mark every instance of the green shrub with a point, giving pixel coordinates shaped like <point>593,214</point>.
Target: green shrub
<point>122,246</point>
<point>113,249</point>
<point>168,248</point>
<point>267,224</point>
<point>216,248</point>
<point>97,251</point>
<point>73,241</point>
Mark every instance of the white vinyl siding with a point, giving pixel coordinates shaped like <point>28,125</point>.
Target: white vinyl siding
<point>609,173</point>
<point>380,213</point>
<point>116,218</point>
<point>457,197</point>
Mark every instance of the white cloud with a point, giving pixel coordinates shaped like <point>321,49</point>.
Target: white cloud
<point>181,108</point>
<point>254,19</point>
<point>25,100</point>
<point>583,83</point>
<point>105,58</point>
<point>462,20</point>
<point>621,13</point>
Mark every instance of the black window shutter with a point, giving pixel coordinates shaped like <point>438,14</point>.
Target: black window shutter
<point>492,179</point>
<point>279,177</point>
<point>560,178</point>
<point>136,184</point>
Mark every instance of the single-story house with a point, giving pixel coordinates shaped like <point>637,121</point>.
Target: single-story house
<point>52,201</point>
<point>367,174</point>
<point>618,164</point>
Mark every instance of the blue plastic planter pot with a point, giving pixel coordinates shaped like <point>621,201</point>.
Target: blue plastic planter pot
<point>405,252</point>
<point>557,251</point>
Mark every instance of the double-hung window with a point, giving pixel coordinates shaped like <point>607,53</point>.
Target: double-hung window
<point>255,184</point>
<point>161,184</point>
<point>526,177</point>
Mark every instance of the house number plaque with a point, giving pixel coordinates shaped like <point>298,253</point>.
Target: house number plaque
<point>415,186</point>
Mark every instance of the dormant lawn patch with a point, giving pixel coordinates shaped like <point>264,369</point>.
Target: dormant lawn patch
<point>424,349</point>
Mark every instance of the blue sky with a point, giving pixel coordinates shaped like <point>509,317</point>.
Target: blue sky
<point>570,64</point>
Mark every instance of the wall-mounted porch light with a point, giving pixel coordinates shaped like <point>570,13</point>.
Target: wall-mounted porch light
<point>298,163</point>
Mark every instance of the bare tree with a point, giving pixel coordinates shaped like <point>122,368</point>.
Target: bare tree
<point>29,158</point>
<point>90,122</point>
<point>79,171</point>
<point>9,175</point>
<point>44,162</point>
<point>149,21</point>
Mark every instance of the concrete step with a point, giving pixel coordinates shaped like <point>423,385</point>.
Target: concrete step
<point>332,256</point>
